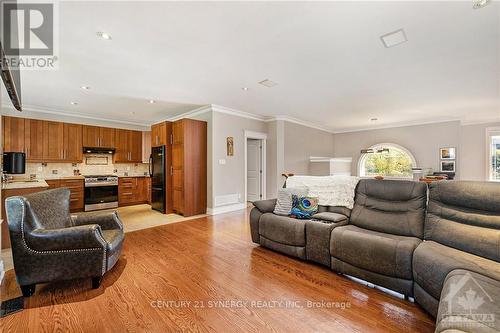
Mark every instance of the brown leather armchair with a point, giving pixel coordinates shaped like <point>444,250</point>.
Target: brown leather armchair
<point>49,244</point>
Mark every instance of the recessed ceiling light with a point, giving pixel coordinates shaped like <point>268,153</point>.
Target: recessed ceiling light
<point>85,87</point>
<point>104,35</point>
<point>152,101</point>
<point>480,3</point>
<point>268,83</point>
<point>132,112</point>
<point>394,38</point>
<point>244,88</point>
<point>74,103</point>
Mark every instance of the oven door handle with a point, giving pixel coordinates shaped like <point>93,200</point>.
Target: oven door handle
<point>100,184</point>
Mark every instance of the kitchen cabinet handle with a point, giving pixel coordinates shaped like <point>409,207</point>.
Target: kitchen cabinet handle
<point>171,170</point>
<point>171,139</point>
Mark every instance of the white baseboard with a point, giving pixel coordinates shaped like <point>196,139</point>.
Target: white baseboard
<point>226,209</point>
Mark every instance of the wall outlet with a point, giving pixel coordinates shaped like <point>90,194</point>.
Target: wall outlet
<point>222,161</point>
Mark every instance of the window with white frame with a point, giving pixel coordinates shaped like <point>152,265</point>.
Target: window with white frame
<point>388,160</point>
<point>493,138</point>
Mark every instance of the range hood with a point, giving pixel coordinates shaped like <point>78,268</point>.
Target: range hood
<point>98,150</point>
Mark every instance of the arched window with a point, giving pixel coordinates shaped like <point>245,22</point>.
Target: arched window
<point>388,160</point>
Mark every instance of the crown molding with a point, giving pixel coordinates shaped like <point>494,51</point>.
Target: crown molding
<point>234,112</point>
<point>192,113</point>
<point>480,122</point>
<point>37,109</point>
<point>398,125</point>
<point>301,122</point>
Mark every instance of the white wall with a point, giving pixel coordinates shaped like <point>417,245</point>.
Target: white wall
<point>473,151</point>
<point>229,178</point>
<point>301,143</point>
<point>424,142</point>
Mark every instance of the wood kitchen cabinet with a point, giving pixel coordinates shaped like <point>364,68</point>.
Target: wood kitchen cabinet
<point>121,146</point>
<point>159,134</point>
<point>189,167</point>
<point>132,190</point>
<point>76,189</point>
<point>128,146</point>
<point>73,148</point>
<point>76,197</point>
<point>148,190</point>
<point>53,183</point>
<point>43,141</point>
<point>146,146</point>
<point>33,139</point>
<point>13,134</point>
<point>53,141</point>
<point>98,137</point>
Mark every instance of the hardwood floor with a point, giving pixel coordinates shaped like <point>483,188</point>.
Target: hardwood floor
<point>184,276</point>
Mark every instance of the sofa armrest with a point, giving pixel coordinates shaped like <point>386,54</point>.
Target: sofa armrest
<point>72,238</point>
<point>265,206</point>
<point>330,217</point>
<point>106,220</point>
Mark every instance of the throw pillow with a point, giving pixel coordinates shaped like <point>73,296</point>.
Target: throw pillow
<point>284,202</point>
<point>304,207</point>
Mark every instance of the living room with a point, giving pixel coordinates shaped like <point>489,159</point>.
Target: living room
<point>250,166</point>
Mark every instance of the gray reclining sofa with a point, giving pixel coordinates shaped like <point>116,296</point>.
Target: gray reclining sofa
<point>403,236</point>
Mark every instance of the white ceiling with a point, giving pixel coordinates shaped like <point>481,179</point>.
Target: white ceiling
<point>327,58</point>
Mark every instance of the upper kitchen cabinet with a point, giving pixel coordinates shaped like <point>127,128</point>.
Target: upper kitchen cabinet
<point>128,146</point>
<point>73,143</point>
<point>33,139</point>
<point>135,146</point>
<point>94,136</point>
<point>43,141</point>
<point>53,141</point>
<point>146,146</point>
<point>13,134</point>
<point>159,134</point>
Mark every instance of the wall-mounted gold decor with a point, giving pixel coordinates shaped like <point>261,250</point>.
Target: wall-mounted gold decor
<point>230,146</point>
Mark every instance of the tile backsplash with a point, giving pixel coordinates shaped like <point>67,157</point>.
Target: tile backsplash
<point>51,170</point>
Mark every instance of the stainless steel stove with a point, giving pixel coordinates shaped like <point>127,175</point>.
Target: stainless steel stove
<point>101,192</point>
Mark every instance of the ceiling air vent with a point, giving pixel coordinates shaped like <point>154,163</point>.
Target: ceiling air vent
<point>394,38</point>
<point>268,83</point>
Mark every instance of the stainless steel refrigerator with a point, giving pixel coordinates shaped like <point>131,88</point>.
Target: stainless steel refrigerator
<point>157,173</point>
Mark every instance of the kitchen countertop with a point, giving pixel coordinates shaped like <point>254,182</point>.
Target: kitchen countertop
<point>24,184</point>
<point>133,176</point>
<point>63,177</point>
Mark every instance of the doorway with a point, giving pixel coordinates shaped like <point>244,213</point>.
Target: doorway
<point>255,165</point>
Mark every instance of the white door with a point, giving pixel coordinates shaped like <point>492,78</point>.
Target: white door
<point>254,172</point>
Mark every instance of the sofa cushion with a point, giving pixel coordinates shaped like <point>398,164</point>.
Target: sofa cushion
<point>304,207</point>
<point>284,203</point>
<point>283,229</point>
<point>330,217</point>
<point>265,206</point>
<point>378,252</point>
<point>466,216</point>
<point>391,206</point>
<point>432,262</point>
<point>335,209</point>
<point>469,303</point>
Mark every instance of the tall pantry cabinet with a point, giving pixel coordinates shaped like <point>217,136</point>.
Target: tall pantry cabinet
<point>189,167</point>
